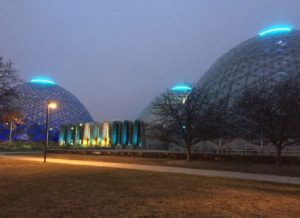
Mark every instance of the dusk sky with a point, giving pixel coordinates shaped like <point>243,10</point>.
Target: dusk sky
<point>115,56</point>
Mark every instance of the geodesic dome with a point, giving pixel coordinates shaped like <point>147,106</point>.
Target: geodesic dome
<point>268,57</point>
<point>181,90</point>
<point>33,97</point>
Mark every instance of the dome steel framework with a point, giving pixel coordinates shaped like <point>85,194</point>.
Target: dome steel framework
<point>33,97</point>
<point>267,59</point>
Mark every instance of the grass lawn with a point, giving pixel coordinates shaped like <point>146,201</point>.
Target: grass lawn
<point>31,189</point>
<point>273,169</point>
<point>24,146</point>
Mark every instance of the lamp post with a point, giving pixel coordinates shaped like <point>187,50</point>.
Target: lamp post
<point>50,105</point>
<point>10,131</point>
<point>11,128</point>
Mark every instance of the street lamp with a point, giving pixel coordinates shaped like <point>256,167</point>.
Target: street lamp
<point>11,128</point>
<point>50,105</point>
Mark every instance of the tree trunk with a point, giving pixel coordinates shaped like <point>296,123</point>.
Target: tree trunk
<point>188,153</point>
<point>278,155</point>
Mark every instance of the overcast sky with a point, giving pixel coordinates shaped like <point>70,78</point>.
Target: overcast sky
<point>115,56</point>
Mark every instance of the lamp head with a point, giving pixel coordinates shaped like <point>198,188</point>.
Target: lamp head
<point>52,105</point>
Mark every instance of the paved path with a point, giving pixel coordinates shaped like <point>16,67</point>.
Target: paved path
<point>20,152</point>
<point>199,172</point>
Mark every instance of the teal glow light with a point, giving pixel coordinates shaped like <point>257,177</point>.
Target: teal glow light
<point>275,30</point>
<point>42,80</point>
<point>181,88</point>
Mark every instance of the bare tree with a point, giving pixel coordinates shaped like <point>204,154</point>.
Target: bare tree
<point>185,119</point>
<point>8,81</point>
<point>275,110</point>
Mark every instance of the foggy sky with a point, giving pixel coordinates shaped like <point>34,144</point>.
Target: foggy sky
<point>116,56</point>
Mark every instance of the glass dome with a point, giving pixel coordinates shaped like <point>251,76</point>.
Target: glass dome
<point>33,97</point>
<point>268,57</point>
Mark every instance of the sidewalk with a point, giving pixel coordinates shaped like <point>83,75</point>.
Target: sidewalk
<point>20,152</point>
<point>199,172</point>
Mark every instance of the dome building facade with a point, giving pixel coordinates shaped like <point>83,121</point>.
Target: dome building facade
<point>33,98</point>
<point>268,58</point>
<point>181,90</point>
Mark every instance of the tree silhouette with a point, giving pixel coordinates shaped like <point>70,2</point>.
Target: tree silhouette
<point>186,119</point>
<point>276,110</point>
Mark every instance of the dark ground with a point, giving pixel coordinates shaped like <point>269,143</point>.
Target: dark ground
<point>30,189</point>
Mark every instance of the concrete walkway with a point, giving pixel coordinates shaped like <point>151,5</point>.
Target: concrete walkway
<point>20,152</point>
<point>189,171</point>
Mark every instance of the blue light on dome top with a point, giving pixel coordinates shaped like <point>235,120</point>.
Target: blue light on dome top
<point>181,88</point>
<point>275,30</point>
<point>42,80</point>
